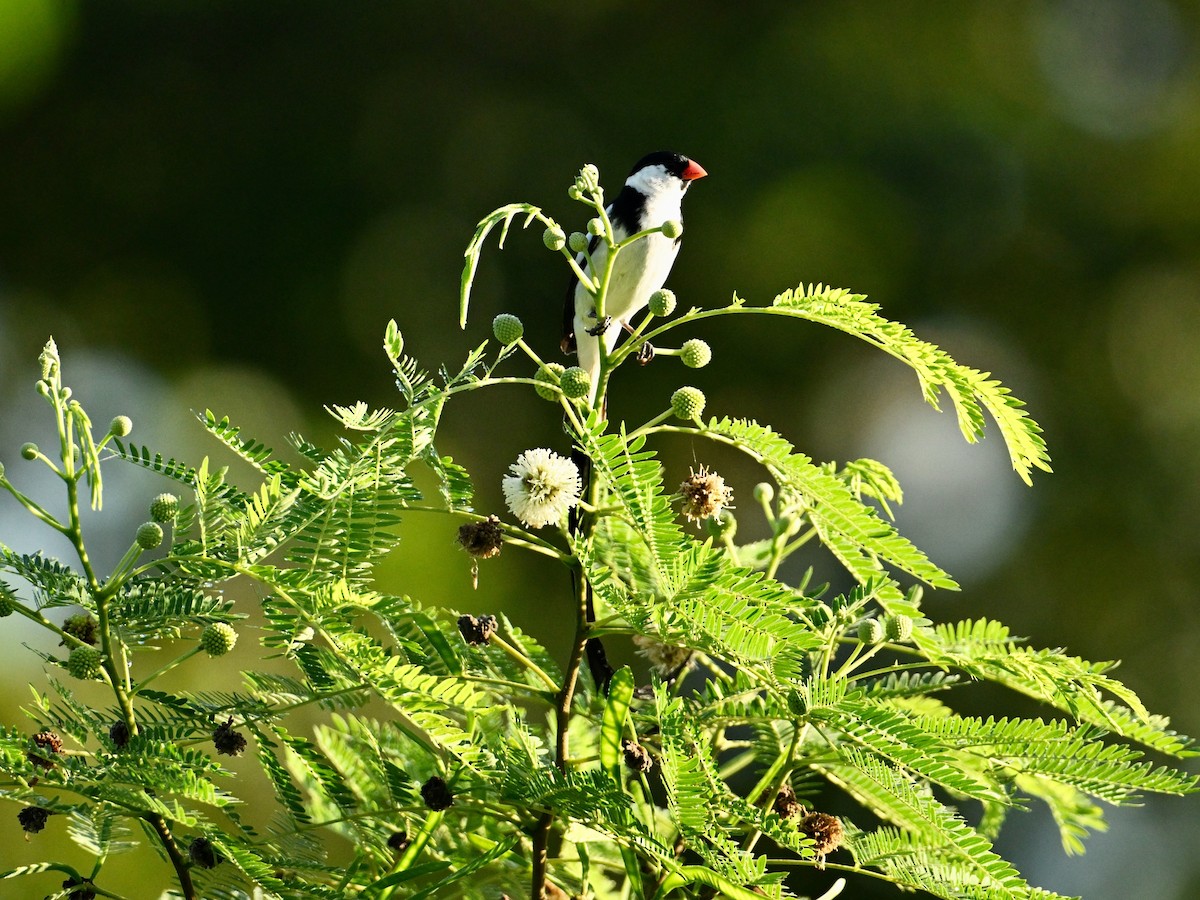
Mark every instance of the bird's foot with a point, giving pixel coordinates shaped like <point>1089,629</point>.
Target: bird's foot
<point>645,353</point>
<point>601,327</point>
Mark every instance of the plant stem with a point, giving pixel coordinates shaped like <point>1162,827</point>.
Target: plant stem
<point>562,717</point>
<point>182,869</point>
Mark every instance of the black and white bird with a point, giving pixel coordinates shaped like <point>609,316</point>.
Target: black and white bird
<point>652,194</point>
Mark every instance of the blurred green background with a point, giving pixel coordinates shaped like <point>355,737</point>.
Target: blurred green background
<point>220,204</point>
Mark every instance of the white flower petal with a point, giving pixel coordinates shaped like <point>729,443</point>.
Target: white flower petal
<point>543,486</point>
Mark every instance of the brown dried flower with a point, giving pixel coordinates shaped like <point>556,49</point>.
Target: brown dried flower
<point>33,818</point>
<point>667,660</point>
<point>705,494</point>
<point>786,806</point>
<point>826,832</point>
<point>477,632</point>
<point>228,741</point>
<point>45,745</point>
<point>482,540</point>
<point>637,757</point>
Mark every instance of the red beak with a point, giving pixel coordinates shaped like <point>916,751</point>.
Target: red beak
<point>693,171</point>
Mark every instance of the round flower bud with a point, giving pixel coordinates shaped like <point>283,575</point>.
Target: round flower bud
<point>554,237</point>
<point>672,228</point>
<point>8,601</point>
<point>870,631</point>
<point>218,638</point>
<point>84,663</point>
<point>574,192</point>
<point>149,535</point>
<point>83,627</point>
<point>575,382</point>
<point>721,525</point>
<point>662,302</point>
<point>898,628</point>
<point>120,426</point>
<point>688,403</point>
<point>1,470</point>
<point>29,450</point>
<point>578,241</point>
<point>549,376</point>
<point>696,354</point>
<point>163,507</point>
<point>595,226</point>
<point>764,492</point>
<point>507,328</point>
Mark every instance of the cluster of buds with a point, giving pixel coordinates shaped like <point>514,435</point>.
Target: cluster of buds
<point>586,182</point>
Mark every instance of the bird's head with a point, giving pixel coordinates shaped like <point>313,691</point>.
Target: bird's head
<point>664,171</point>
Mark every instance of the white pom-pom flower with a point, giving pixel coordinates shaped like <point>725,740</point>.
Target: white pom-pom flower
<point>543,486</point>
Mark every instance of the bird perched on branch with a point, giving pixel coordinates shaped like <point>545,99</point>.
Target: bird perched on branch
<point>652,195</point>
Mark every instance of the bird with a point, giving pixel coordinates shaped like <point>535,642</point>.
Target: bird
<point>652,194</point>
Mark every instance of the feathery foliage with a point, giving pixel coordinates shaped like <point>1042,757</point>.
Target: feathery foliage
<point>416,752</point>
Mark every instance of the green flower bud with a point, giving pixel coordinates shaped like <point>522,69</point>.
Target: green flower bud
<point>29,450</point>
<point>149,535</point>
<point>589,178</point>
<point>870,631</point>
<point>84,663</point>
<point>507,328</point>
<point>554,238</point>
<point>595,226</point>
<point>696,354</point>
<point>578,242</point>
<point>662,302</point>
<point>574,192</point>
<point>49,359</point>
<point>163,507</point>
<point>65,395</point>
<point>120,426</point>
<point>218,639</point>
<point>764,492</point>
<point>688,403</point>
<point>1,471</point>
<point>550,375</point>
<point>672,228</point>
<point>721,526</point>
<point>8,601</point>
<point>898,628</point>
<point>575,383</point>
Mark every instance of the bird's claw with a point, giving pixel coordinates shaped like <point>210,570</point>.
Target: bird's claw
<point>645,353</point>
<point>601,327</point>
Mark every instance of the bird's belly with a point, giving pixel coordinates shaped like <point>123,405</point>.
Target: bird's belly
<point>639,271</point>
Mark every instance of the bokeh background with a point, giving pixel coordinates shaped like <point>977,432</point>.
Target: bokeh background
<point>220,205</point>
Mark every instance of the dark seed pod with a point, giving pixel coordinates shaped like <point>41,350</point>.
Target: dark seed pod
<point>118,733</point>
<point>482,540</point>
<point>228,741</point>
<point>477,632</point>
<point>398,841</point>
<point>203,854</point>
<point>436,794</point>
<point>33,818</point>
